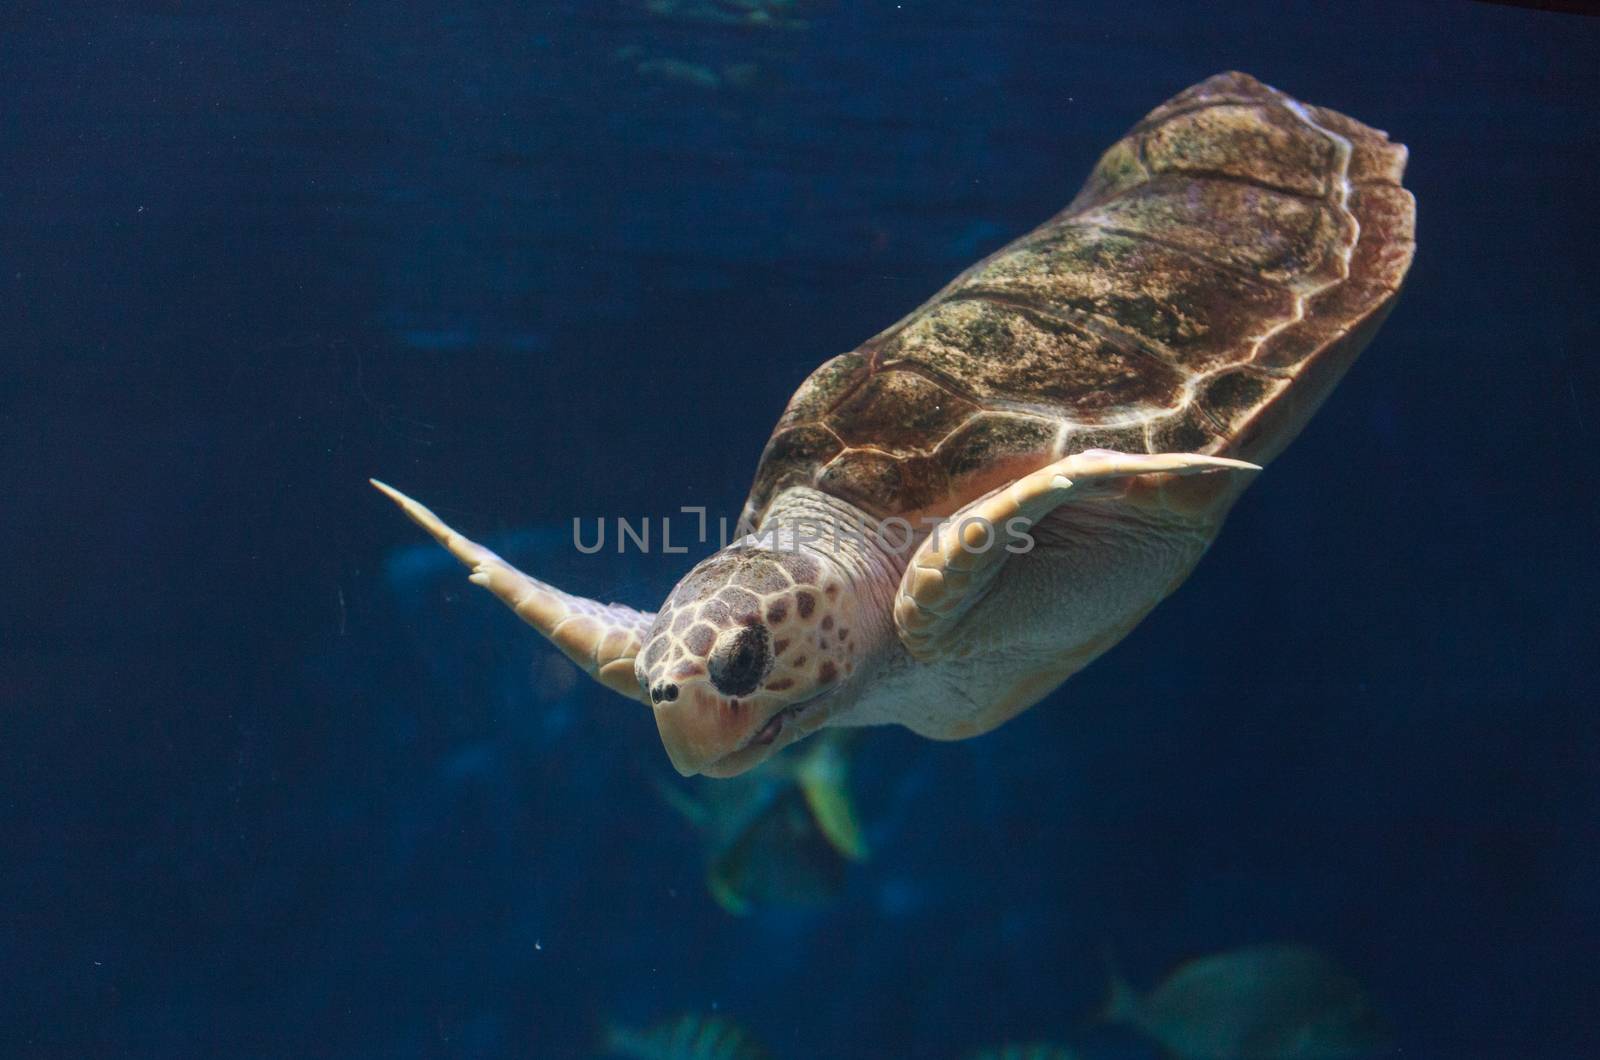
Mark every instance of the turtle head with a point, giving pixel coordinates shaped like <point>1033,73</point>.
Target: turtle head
<point>746,655</point>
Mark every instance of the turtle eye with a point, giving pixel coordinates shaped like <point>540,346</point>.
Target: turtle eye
<point>739,661</point>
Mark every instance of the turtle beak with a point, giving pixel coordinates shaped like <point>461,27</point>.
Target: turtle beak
<point>704,733</point>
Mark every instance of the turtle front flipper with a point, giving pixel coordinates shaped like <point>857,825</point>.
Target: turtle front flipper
<point>603,639</point>
<point>954,567</point>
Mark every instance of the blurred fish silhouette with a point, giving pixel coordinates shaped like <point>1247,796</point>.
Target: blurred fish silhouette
<point>782,834</point>
<point>1026,1051</point>
<point>697,75</point>
<point>743,75</point>
<point>686,1037</point>
<point>778,14</point>
<point>1272,1002</point>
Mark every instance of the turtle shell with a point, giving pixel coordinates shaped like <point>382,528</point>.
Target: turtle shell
<point>1221,268</point>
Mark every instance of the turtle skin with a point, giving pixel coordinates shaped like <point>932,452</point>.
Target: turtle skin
<point>1222,266</point>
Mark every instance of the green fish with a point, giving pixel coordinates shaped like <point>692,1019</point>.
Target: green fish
<point>781,834</point>
<point>686,1037</point>
<point>1271,1002</point>
<point>823,774</point>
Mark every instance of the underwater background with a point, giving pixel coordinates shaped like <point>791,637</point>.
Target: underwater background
<point>276,781</point>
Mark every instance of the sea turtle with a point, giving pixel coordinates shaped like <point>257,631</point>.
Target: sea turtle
<point>1008,479</point>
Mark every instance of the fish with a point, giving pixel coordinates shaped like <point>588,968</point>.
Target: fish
<point>739,76</point>
<point>777,14</point>
<point>1025,1051</point>
<point>686,1037</point>
<point>1269,1002</point>
<point>679,71</point>
<point>783,834</point>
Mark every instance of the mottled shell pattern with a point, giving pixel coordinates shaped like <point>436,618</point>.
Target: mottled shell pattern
<point>1217,273</point>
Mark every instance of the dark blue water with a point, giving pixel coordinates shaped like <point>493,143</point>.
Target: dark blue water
<point>275,781</point>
